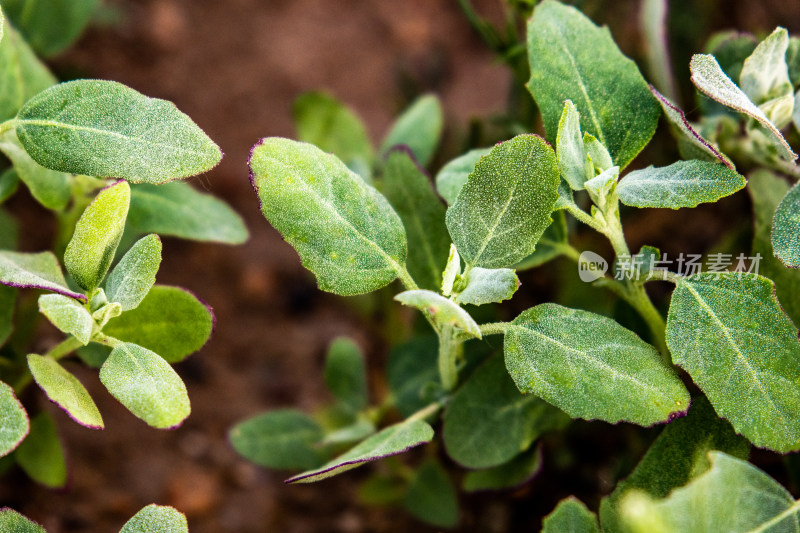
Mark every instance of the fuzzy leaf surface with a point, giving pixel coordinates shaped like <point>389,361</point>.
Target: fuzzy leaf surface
<point>486,285</point>
<point>503,209</point>
<point>50,26</point>
<point>68,315</point>
<point>571,515</point>
<point>681,184</point>
<point>591,367</point>
<point>156,519</point>
<point>345,231</point>
<point>765,78</point>
<point>389,441</point>
<point>443,310</point>
<point>786,229</point>
<point>751,380</point>
<point>419,127</point>
<point>49,187</point>
<point>134,275</point>
<point>431,496</point>
<point>346,374</point>
<point>64,390</point>
<point>12,521</point>
<point>452,177</point>
<point>22,74</point>
<point>569,147</point>
<point>170,321</point>
<point>105,129</point>
<point>41,455</point>
<point>572,59</point>
<point>284,439</point>
<point>14,425</point>
<point>34,271</point>
<point>146,385</point>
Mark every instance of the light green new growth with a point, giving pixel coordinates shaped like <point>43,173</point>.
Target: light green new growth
<point>765,78</point>
<point>569,148</point>
<point>68,315</point>
<point>14,425</point>
<point>444,312</point>
<point>135,274</point>
<point>570,515</point>
<point>156,519</point>
<point>786,229</point>
<point>37,271</point>
<point>65,390</point>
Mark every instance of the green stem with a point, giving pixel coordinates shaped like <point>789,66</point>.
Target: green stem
<point>494,328</point>
<point>406,279</point>
<point>584,217</point>
<point>8,125</point>
<point>449,352</point>
<point>425,412</point>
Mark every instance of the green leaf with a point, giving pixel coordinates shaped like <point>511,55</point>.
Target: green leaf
<point>346,375</point>
<point>50,25</point>
<point>678,455</point>
<point>570,515</point>
<point>323,121</point>
<point>569,147</point>
<point>156,519</point>
<point>93,354</point>
<point>170,321</point>
<point>68,315</point>
<point>14,425</point>
<point>793,60</point>
<point>13,522</point>
<point>36,271</point>
<point>767,190</point>
<point>591,367</point>
<point>552,244</point>
<point>284,439</point>
<point>452,177</point>
<point>413,375</point>
<point>9,183</point>
<point>681,184</point>
<point>48,187</point>
<point>485,286</point>
<point>443,310</point>
<point>409,191</point>
<point>451,271</point>
<point>178,210</point>
<point>752,378</point>
<point>131,280</point>
<point>701,148</point>
<point>730,48</point>
<point>786,229</point>
<point>431,496</point>
<point>97,235</point>
<point>733,496</point>
<point>105,129</point>
<point>571,58</point>
<point>389,441</point>
<point>765,78</point>
<point>488,422</point>
<point>41,455</point>
<point>505,205</point>
<point>708,76</point>
<point>22,74</point>
<point>512,474</point>
<point>419,127</point>
<point>597,155</point>
<point>8,300</point>
<point>64,390</point>
<point>344,230</point>
<point>145,384</point>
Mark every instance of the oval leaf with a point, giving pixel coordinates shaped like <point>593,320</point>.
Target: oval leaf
<point>65,390</point>
<point>105,129</point>
<point>443,310</point>
<point>786,229</point>
<point>452,177</point>
<point>505,205</point>
<point>570,515</point>
<point>681,184</point>
<point>41,455</point>
<point>751,379</point>
<point>170,321</point>
<point>419,128</point>
<point>156,519</point>
<point>68,315</point>
<point>591,367</point>
<point>144,383</point>
<point>14,425</point>
<point>389,441</point>
<point>344,230</point>
<point>35,271</point>
<point>10,520</point>
<point>135,274</point>
<point>97,235</point>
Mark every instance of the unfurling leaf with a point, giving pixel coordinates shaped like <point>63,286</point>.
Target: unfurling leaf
<point>765,78</point>
<point>569,148</point>
<point>442,310</point>
<point>484,285</point>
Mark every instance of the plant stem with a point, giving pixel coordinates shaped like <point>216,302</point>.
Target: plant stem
<point>494,328</point>
<point>425,412</point>
<point>449,351</point>
<point>406,279</point>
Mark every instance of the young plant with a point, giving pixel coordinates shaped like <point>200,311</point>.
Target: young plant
<point>158,518</point>
<point>726,336</point>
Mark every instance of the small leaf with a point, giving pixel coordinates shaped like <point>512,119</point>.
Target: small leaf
<point>681,184</point>
<point>570,515</point>
<point>409,191</point>
<point>751,380</point>
<point>177,210</point>
<point>431,496</point>
<point>712,81</point>
<point>13,522</point>
<point>510,475</point>
<point>284,439</point>
<point>601,185</point>
<point>144,383</point>
<point>344,230</point>
<point>346,375</point>
<point>413,375</point>
<point>571,58</point>
<point>765,78</point>
<point>170,321</point>
<point>452,177</point>
<point>451,270</point>
<point>419,127</point>
<point>488,422</point>
<point>14,425</point>
<point>68,315</point>
<point>22,74</point>
<point>597,154</point>
<point>591,367</point>
<point>505,205</point>
<point>8,300</point>
<point>64,389</point>
<point>323,121</point>
<point>35,271</point>
<point>443,311</point>
<point>41,455</point>
<point>156,519</point>
<point>97,235</point>
<point>485,286</point>
<point>569,147</point>
<point>135,274</point>
<point>389,441</point>
<point>713,502</point>
<point>786,229</point>
<point>48,187</point>
<point>105,129</point>
<point>50,25</point>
